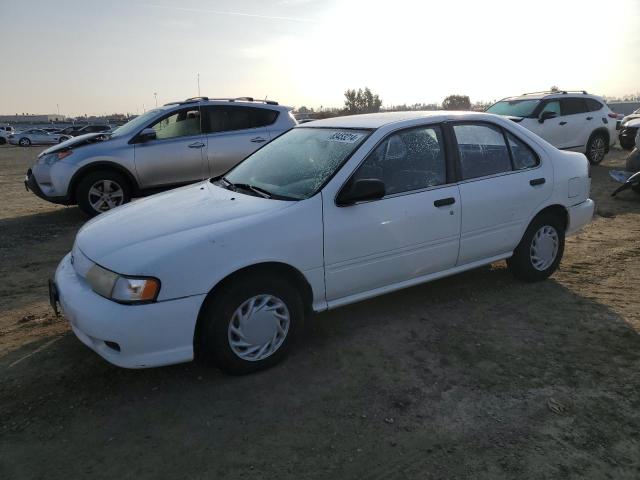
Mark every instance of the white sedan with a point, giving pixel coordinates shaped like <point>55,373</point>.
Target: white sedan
<point>36,136</point>
<point>330,213</point>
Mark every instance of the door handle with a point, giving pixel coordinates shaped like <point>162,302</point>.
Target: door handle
<point>196,145</point>
<point>537,181</point>
<point>562,123</point>
<point>258,139</point>
<point>443,202</point>
<point>589,118</point>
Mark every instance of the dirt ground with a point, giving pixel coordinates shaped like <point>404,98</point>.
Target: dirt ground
<point>476,376</point>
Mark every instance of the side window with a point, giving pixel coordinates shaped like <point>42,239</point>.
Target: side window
<point>482,150</point>
<point>408,160</point>
<point>573,106</point>
<point>523,156</point>
<point>593,105</point>
<point>551,106</point>
<point>224,119</point>
<point>182,123</point>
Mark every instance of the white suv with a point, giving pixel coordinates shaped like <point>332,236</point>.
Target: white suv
<point>568,120</point>
<point>170,146</point>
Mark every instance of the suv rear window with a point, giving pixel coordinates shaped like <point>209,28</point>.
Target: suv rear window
<point>224,119</point>
<point>593,105</point>
<point>573,106</point>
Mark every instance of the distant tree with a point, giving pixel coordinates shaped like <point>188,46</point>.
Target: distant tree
<point>554,88</point>
<point>456,102</point>
<point>361,101</point>
<point>303,109</point>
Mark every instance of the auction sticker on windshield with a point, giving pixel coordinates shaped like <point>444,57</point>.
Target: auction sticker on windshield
<point>344,137</point>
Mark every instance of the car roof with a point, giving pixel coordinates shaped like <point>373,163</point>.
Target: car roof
<point>559,94</point>
<point>239,101</point>
<point>377,120</point>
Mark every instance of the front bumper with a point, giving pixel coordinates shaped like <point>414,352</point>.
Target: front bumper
<point>129,336</point>
<point>31,184</point>
<point>580,215</point>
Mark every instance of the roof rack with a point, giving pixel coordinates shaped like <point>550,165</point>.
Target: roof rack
<point>236,99</point>
<point>563,92</point>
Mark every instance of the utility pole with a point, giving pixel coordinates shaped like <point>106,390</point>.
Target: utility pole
<point>155,94</point>
<point>198,84</point>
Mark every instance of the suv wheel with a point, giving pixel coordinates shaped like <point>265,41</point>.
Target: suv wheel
<point>102,191</point>
<point>24,142</point>
<point>540,250</point>
<point>251,323</point>
<point>596,148</point>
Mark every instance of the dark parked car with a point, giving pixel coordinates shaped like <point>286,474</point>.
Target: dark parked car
<point>628,132</point>
<point>91,129</point>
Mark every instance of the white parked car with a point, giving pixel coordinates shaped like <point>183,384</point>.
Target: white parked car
<point>35,136</point>
<point>331,212</point>
<point>568,120</point>
<point>5,131</point>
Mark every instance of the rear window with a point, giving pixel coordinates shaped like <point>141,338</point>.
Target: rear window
<point>593,105</point>
<point>573,106</point>
<point>482,150</point>
<point>224,119</point>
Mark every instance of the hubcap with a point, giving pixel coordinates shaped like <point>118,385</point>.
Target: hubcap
<point>544,248</point>
<point>105,195</point>
<point>258,327</point>
<point>597,149</point>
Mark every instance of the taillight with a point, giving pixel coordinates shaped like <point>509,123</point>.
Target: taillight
<point>613,115</point>
<point>64,154</point>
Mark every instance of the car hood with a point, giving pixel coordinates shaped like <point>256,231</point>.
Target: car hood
<point>73,142</point>
<point>632,122</point>
<point>176,212</point>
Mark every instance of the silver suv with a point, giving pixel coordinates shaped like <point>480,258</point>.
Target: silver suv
<point>173,145</point>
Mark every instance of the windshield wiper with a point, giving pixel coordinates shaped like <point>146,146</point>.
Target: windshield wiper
<point>260,191</point>
<point>257,190</point>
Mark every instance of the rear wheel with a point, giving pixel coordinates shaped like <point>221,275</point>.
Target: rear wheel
<point>540,250</point>
<point>250,323</point>
<point>24,142</point>
<point>596,148</point>
<point>101,191</point>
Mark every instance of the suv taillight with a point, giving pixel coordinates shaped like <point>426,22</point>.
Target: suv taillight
<point>613,115</point>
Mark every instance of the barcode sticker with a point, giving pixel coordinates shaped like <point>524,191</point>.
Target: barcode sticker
<point>344,137</point>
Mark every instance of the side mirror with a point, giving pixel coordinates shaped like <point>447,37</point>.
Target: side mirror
<point>361,190</point>
<point>548,115</point>
<point>146,135</point>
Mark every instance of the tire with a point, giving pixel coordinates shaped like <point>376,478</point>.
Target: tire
<point>24,142</point>
<point>220,312</point>
<point>596,148</point>
<point>88,192</point>
<point>3,140</point>
<point>541,231</point>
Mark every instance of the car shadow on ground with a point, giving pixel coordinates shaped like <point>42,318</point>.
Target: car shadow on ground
<point>476,373</point>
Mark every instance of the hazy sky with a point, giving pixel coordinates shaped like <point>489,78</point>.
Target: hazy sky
<point>111,56</point>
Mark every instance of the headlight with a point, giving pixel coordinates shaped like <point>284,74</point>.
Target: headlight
<point>121,288</point>
<point>51,158</point>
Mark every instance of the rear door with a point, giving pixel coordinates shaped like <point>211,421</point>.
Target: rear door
<point>176,156</point>
<point>576,126</point>
<point>502,182</point>
<point>232,133</point>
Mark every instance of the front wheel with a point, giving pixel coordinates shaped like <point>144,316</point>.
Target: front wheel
<point>101,191</point>
<point>596,148</point>
<point>24,142</point>
<point>540,250</point>
<point>250,323</point>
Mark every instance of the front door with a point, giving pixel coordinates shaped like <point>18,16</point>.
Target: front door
<point>176,155</point>
<point>552,130</point>
<point>503,181</point>
<point>411,232</point>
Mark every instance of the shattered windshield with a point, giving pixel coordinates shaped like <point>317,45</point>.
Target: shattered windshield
<point>296,164</point>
